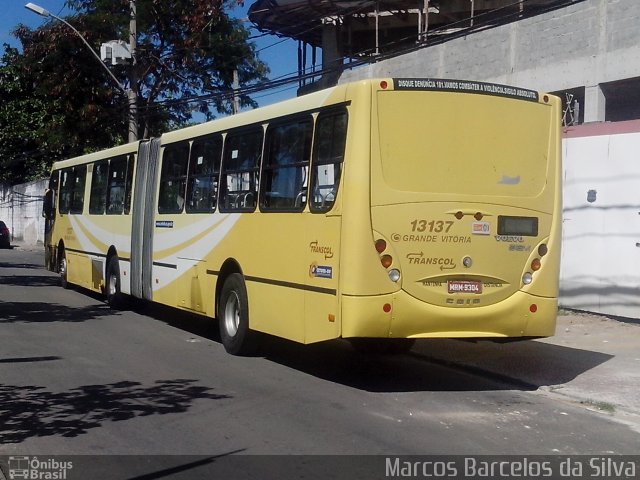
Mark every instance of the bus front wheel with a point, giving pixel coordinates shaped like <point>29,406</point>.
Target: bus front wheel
<point>62,269</point>
<point>233,317</point>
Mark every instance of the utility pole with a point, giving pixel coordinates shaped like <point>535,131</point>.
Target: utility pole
<point>236,87</point>
<point>132,92</point>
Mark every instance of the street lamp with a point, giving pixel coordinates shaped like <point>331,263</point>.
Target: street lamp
<point>129,92</point>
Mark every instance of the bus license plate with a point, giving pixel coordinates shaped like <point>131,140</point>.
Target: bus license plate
<point>464,286</point>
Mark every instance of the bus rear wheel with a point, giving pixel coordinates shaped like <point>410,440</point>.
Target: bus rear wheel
<point>112,290</point>
<point>233,317</point>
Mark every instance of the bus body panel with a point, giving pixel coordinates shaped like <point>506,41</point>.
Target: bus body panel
<point>412,318</point>
<point>323,271</point>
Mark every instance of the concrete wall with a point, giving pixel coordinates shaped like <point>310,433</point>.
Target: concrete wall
<point>585,44</point>
<point>601,223</point>
<point>21,210</point>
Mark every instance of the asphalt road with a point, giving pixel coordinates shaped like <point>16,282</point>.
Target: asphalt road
<point>77,378</point>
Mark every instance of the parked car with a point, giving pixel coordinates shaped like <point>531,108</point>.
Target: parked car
<point>5,236</point>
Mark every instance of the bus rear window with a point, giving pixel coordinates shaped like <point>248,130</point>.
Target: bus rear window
<point>463,143</point>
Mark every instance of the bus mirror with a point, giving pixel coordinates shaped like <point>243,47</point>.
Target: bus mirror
<point>47,204</point>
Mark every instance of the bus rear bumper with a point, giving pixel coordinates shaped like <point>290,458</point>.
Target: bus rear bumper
<point>521,315</point>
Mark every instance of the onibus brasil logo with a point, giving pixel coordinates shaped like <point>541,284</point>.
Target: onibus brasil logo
<point>33,468</point>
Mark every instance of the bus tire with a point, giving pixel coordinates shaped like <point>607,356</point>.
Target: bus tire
<point>112,288</point>
<point>233,317</point>
<point>63,268</point>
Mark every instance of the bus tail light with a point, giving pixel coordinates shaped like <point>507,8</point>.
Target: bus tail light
<point>536,264</point>
<point>386,260</point>
<point>381,245</point>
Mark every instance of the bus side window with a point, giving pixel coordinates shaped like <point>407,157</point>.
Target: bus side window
<point>115,189</point>
<point>240,163</point>
<point>204,167</point>
<point>328,154</point>
<point>67,180</point>
<point>173,178</point>
<point>98,196</point>
<point>79,182</point>
<point>284,175</point>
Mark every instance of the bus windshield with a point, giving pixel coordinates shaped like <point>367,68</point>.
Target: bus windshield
<point>470,144</point>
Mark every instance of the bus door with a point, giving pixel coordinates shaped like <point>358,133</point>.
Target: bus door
<point>142,228</point>
<point>49,207</point>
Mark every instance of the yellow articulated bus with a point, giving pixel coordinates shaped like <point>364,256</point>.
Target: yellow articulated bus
<point>380,211</point>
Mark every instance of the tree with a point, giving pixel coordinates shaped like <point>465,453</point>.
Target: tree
<point>25,119</point>
<point>187,52</point>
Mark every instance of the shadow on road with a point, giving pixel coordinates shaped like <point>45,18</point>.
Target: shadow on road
<point>30,359</point>
<point>533,363</point>
<point>34,276</point>
<point>29,280</point>
<point>432,364</point>
<point>189,322</point>
<point>30,411</point>
<point>28,266</point>
<point>39,312</point>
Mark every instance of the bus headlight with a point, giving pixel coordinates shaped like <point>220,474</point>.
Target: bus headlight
<point>527,278</point>
<point>394,275</point>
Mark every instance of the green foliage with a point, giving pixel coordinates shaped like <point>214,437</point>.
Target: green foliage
<point>58,102</point>
<point>25,119</point>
